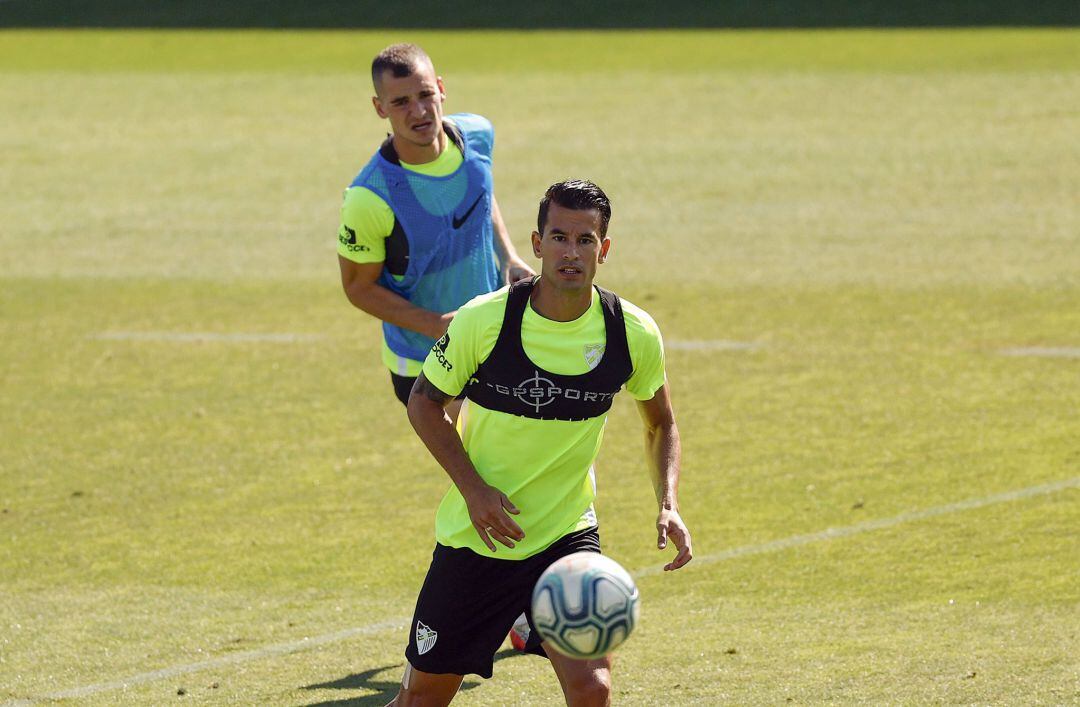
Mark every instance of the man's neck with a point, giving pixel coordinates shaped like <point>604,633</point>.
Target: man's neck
<point>411,153</point>
<point>560,305</point>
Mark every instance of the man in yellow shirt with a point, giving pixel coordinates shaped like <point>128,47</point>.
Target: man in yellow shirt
<point>540,362</point>
<point>421,232</point>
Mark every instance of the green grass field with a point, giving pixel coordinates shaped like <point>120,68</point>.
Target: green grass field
<point>207,487</point>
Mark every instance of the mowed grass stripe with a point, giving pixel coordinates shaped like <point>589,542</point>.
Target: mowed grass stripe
<point>307,644</point>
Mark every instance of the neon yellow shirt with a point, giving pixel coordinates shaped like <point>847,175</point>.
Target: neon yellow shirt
<point>544,466</point>
<point>372,220</point>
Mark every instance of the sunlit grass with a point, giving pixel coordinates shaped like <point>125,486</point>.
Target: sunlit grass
<point>880,214</point>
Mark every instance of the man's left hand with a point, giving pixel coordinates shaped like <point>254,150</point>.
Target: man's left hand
<point>669,524</point>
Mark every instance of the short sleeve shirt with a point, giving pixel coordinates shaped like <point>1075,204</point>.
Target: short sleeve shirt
<point>544,466</point>
<point>367,221</point>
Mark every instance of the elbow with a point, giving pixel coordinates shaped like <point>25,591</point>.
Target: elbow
<point>414,410</point>
<point>666,430</point>
<point>421,411</point>
<point>357,294</point>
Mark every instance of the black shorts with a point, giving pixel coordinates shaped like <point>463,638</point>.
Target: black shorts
<point>469,602</point>
<point>403,386</point>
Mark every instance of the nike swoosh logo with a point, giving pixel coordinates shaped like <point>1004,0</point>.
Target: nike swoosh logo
<point>458,221</point>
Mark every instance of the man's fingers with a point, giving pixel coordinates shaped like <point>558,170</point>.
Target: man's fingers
<point>502,530</point>
<point>483,533</point>
<point>682,541</point>
<point>507,524</point>
<point>661,537</point>
<point>509,505</point>
<point>512,529</point>
<point>684,556</point>
<point>501,537</point>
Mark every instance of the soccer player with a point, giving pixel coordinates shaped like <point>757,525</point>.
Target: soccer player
<point>420,227</point>
<point>540,362</point>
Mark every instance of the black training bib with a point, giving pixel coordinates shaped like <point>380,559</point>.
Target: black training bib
<point>509,382</point>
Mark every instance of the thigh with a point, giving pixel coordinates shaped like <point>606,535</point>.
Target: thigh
<point>587,540</point>
<point>465,609</point>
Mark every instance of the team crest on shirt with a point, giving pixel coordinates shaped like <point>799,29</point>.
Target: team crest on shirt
<point>347,237</point>
<point>425,638</point>
<point>439,349</point>
<point>593,354</point>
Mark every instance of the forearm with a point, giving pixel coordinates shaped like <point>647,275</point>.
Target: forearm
<point>390,307</point>
<point>664,452</point>
<point>436,430</point>
<point>504,248</point>
<point>510,263</point>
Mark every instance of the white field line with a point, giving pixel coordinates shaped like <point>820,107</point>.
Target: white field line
<point>710,345</point>
<point>869,525</point>
<point>201,337</point>
<point>242,657</point>
<point>1043,351</point>
<point>734,553</point>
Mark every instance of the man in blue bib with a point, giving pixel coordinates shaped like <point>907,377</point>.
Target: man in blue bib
<point>421,232</point>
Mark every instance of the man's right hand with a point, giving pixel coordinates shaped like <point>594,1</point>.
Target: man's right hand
<point>488,509</point>
<point>441,323</point>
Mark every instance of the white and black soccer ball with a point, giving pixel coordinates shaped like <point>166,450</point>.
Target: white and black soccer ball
<point>585,605</point>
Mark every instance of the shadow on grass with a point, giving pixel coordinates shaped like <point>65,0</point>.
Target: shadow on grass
<point>383,690</point>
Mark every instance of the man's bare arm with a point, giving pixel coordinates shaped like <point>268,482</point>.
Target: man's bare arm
<point>663,452</point>
<point>360,281</point>
<point>512,266</point>
<point>488,507</point>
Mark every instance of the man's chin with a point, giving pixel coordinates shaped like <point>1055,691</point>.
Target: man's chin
<point>567,284</point>
<point>419,140</point>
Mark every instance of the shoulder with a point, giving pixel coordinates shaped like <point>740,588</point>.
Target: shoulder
<point>369,171</point>
<point>470,122</point>
<point>485,305</point>
<point>646,352</point>
<point>477,323</point>
<point>361,200</point>
<point>639,324</point>
<point>478,130</point>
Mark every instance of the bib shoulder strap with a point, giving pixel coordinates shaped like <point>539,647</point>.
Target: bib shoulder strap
<point>509,340</point>
<point>617,350</point>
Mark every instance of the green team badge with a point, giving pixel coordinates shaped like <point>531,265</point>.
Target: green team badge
<point>593,354</point>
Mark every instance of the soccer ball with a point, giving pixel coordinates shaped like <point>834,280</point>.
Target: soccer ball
<point>585,605</point>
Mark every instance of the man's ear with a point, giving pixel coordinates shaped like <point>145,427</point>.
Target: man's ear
<point>536,237</point>
<point>378,107</point>
<point>605,245</point>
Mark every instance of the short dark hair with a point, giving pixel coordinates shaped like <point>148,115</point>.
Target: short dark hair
<point>577,194</point>
<point>400,60</point>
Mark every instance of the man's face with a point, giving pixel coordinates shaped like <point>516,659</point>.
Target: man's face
<point>413,104</point>
<point>570,247</point>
